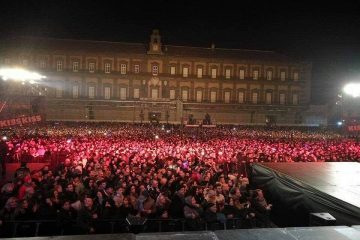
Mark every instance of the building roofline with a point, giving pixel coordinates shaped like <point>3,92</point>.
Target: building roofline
<point>230,49</point>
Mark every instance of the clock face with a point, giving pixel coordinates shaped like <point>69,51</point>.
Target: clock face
<point>155,47</point>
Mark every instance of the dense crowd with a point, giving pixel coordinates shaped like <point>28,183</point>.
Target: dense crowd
<point>115,171</point>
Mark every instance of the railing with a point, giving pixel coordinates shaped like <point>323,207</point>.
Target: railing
<point>34,228</point>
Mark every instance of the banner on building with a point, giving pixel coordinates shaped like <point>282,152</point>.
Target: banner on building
<point>20,121</point>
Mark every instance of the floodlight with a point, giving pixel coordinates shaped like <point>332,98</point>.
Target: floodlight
<point>352,89</point>
<point>20,74</point>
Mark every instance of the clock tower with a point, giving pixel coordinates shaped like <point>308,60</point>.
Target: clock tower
<point>155,43</point>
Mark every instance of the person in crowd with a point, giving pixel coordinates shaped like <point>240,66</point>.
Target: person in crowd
<point>4,149</point>
<point>262,208</point>
<point>87,216</point>
<point>7,213</point>
<point>65,218</point>
<point>162,207</point>
<point>146,205</point>
<point>22,171</point>
<point>7,191</point>
<point>177,203</point>
<point>193,213</point>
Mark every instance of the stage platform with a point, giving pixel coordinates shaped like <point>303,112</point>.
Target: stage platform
<point>332,187</point>
<point>306,233</point>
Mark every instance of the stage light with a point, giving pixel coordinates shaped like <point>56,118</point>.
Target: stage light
<point>68,141</point>
<point>4,138</point>
<point>167,131</point>
<point>156,136</point>
<point>19,74</point>
<point>352,89</point>
<point>339,123</point>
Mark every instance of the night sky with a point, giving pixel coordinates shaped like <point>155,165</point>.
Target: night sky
<point>327,34</point>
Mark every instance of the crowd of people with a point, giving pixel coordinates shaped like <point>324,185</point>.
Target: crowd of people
<point>119,171</point>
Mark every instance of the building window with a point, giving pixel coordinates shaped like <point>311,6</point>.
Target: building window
<point>185,71</point>
<point>154,93</point>
<point>91,92</point>
<point>136,93</point>
<point>282,98</point>
<point>155,70</point>
<point>123,68</point>
<point>227,73</point>
<point>123,93</point>
<point>136,68</point>
<point>256,74</point>
<point>107,68</point>
<point>59,65</point>
<point>42,64</point>
<point>268,98</point>
<point>296,76</point>
<point>295,99</point>
<point>242,74</point>
<point>254,98</point>
<point>107,92</point>
<point>213,96</point>
<point>172,70</point>
<point>172,94</point>
<point>75,66</point>
<point>282,75</point>
<point>199,72</point>
<point>199,95</point>
<point>241,97</point>
<point>75,91</point>
<point>185,95</point>
<point>269,75</point>
<point>91,67</point>
<point>227,97</point>
<point>213,73</point>
<point>59,92</point>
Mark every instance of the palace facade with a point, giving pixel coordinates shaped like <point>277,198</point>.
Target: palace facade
<point>115,81</point>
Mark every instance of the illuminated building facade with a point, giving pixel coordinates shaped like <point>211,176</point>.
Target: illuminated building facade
<point>113,81</point>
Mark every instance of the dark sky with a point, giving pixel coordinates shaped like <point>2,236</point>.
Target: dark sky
<point>323,32</point>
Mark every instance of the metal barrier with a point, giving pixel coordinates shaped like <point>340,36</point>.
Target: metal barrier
<point>34,228</point>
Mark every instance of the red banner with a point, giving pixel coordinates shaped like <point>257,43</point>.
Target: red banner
<point>353,128</point>
<point>20,121</point>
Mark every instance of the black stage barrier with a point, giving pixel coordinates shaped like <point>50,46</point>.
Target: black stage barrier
<point>298,189</point>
